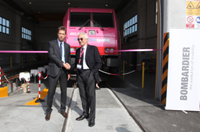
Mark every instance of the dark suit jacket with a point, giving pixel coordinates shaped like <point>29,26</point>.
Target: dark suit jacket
<point>93,60</point>
<point>55,63</point>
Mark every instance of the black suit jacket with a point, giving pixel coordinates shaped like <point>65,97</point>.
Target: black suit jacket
<point>93,60</point>
<point>55,63</point>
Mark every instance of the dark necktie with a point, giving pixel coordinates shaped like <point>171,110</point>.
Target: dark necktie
<point>61,50</point>
<point>82,59</point>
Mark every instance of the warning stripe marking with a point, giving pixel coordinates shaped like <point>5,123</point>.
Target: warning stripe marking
<point>165,68</point>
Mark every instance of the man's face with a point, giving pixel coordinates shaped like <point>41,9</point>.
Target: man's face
<point>61,35</point>
<point>82,40</point>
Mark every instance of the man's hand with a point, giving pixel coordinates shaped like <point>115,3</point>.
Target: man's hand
<point>69,75</point>
<point>67,66</point>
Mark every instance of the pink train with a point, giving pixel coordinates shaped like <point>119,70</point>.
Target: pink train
<point>101,27</point>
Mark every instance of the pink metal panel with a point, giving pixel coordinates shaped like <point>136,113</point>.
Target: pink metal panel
<point>102,39</point>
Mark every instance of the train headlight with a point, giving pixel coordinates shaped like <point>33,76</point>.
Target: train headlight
<point>106,50</point>
<point>111,50</point>
<point>71,49</point>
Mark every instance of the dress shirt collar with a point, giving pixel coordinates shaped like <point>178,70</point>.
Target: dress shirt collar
<point>60,42</point>
<point>85,46</point>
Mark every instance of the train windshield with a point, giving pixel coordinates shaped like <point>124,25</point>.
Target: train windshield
<point>103,20</point>
<point>78,19</point>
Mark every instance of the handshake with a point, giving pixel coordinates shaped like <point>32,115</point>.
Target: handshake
<point>67,66</point>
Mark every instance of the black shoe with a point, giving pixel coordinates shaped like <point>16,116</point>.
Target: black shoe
<point>83,116</point>
<point>91,122</point>
<point>47,117</point>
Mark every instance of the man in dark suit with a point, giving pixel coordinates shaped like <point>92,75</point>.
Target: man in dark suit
<point>59,64</point>
<point>87,63</point>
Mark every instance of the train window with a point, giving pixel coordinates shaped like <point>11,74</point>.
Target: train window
<point>130,26</point>
<point>103,20</point>
<point>78,19</point>
<point>4,25</point>
<point>26,34</point>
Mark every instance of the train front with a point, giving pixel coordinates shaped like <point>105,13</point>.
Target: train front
<point>101,28</point>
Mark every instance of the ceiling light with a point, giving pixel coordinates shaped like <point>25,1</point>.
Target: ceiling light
<point>106,4</point>
<point>39,12</point>
<point>30,3</point>
<point>68,3</point>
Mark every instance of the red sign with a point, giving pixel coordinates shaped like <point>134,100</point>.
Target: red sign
<point>190,19</point>
<point>189,25</point>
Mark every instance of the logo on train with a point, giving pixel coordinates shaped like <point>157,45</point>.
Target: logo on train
<point>96,40</point>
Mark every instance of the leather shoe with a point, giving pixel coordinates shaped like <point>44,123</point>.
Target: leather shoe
<point>82,117</point>
<point>64,114</point>
<point>91,122</point>
<point>48,117</point>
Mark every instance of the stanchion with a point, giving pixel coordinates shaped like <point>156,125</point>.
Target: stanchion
<point>22,60</point>
<point>11,61</point>
<point>123,67</point>
<point>28,88</point>
<point>39,96</point>
<point>0,75</point>
<point>143,64</point>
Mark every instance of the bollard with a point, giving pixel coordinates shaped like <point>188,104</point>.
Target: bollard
<point>45,57</point>
<point>39,94</point>
<point>143,66</point>
<point>123,67</point>
<point>11,86</point>
<point>28,88</point>
<point>11,61</point>
<point>0,75</point>
<point>22,60</point>
<point>39,85</point>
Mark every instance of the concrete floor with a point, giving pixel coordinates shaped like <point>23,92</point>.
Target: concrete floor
<point>15,116</point>
<point>111,116</point>
<point>150,112</point>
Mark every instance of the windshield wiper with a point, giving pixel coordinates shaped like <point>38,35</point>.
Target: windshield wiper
<point>99,25</point>
<point>84,24</point>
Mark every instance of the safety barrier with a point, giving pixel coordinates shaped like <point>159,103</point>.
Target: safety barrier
<point>44,77</point>
<point>6,77</point>
<point>123,74</point>
<point>28,87</point>
<point>39,89</point>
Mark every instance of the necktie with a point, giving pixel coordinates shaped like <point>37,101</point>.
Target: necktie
<point>82,58</point>
<point>61,50</point>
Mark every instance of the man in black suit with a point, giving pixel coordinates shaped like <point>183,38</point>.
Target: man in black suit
<point>59,64</point>
<point>87,63</point>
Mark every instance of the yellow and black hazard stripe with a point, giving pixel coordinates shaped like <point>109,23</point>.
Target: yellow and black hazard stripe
<point>165,68</point>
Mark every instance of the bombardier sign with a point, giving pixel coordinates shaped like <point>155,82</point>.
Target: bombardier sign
<point>183,87</point>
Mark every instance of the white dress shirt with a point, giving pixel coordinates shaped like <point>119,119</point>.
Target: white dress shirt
<point>63,51</point>
<point>85,66</point>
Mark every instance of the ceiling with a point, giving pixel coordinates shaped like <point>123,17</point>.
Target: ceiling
<point>55,9</point>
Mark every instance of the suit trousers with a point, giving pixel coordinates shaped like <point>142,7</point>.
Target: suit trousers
<point>62,77</point>
<point>86,84</point>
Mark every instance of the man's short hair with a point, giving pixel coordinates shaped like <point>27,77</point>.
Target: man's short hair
<point>62,28</point>
<point>86,36</point>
